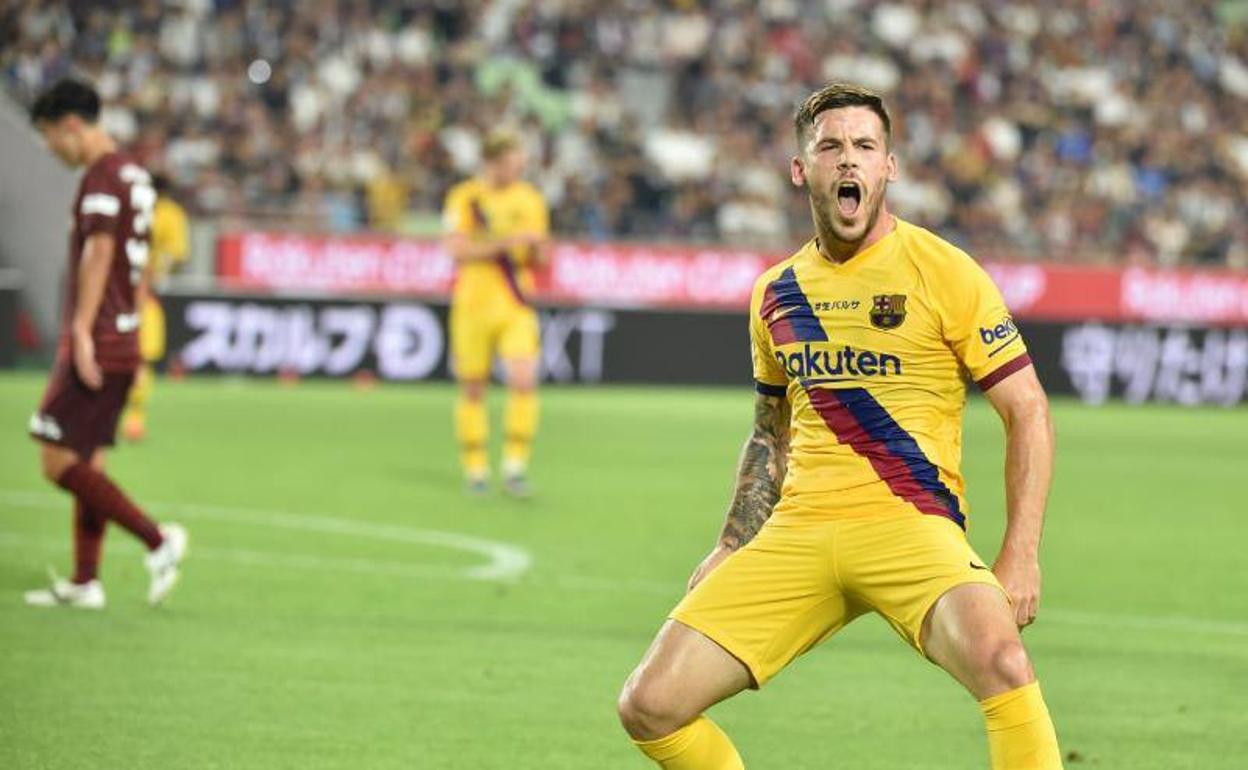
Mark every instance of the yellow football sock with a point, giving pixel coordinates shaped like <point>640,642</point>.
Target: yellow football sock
<point>519,427</point>
<point>699,745</point>
<point>472,428</point>
<point>1020,732</point>
<point>140,394</point>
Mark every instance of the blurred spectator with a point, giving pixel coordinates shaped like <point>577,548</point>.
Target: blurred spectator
<point>1107,130</point>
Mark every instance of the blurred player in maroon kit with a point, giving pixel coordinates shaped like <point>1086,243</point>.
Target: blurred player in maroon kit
<point>98,349</point>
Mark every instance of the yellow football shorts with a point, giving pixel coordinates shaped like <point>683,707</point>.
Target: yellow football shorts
<point>479,331</point>
<point>797,583</point>
<point>152,330</point>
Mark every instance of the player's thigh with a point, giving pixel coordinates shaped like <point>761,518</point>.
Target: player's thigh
<point>473,331</point>
<point>682,674</point>
<point>55,459</point>
<point>520,374</point>
<point>902,565</point>
<point>519,345</point>
<point>76,418</point>
<point>971,633</point>
<point>772,600</point>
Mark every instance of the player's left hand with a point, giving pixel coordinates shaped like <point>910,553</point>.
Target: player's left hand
<point>85,365</point>
<point>533,246</point>
<point>712,561</point>
<point>1020,577</point>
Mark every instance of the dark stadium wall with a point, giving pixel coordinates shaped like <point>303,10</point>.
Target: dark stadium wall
<point>36,193</point>
<point>8,318</point>
<point>406,340</point>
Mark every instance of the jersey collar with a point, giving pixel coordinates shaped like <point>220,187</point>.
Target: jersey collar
<point>869,254</point>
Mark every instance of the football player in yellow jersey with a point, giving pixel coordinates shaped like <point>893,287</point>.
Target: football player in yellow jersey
<point>497,229</point>
<point>170,245</point>
<point>848,496</point>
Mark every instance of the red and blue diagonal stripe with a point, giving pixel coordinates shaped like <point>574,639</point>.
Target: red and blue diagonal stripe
<point>796,321</point>
<point>478,214</point>
<point>859,421</point>
<point>503,260</point>
<point>509,275</point>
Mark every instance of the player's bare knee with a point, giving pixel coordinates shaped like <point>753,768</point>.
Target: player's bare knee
<point>472,390</point>
<point>522,377</point>
<point>1009,664</point>
<point>53,464</point>
<point>646,710</point>
<point>522,387</point>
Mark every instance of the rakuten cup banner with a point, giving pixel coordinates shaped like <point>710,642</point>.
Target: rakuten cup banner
<point>676,314</point>
<point>606,275</point>
<point>622,275</point>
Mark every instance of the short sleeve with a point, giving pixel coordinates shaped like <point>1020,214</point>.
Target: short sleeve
<point>769,377</point>
<point>457,216</point>
<point>100,206</point>
<point>978,326</point>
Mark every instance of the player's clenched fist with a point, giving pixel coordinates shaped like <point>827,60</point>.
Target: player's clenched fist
<point>1020,577</point>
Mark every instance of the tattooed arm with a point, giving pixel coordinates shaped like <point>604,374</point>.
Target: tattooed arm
<point>760,475</point>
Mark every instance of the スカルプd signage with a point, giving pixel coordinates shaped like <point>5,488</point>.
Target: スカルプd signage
<point>406,340</point>
<point>394,339</point>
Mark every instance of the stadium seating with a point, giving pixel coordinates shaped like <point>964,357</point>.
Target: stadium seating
<point>1108,133</point>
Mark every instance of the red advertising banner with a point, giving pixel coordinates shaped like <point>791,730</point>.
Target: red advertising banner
<point>709,278</point>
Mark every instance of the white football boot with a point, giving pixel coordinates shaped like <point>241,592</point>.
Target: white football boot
<point>64,593</point>
<point>516,480</point>
<point>163,563</point>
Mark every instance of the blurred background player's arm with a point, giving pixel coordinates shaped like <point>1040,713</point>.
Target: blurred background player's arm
<point>469,248</point>
<point>1024,409</point>
<point>97,260</point>
<point>760,476</point>
<point>466,237</point>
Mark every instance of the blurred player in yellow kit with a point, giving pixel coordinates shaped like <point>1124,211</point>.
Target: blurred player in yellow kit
<point>170,246</point>
<point>849,498</point>
<point>497,228</point>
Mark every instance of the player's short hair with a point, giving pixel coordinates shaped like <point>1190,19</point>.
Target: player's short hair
<point>498,143</point>
<point>66,97</point>
<point>834,96</point>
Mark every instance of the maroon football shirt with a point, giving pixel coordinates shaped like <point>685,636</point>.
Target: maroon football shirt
<point>115,196</point>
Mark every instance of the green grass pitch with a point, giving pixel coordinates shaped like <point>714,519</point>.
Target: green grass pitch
<point>335,614</point>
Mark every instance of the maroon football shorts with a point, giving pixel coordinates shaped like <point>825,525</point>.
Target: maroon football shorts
<point>74,416</point>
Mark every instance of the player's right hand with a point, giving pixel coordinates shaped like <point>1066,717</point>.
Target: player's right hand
<point>712,561</point>
<point>85,365</point>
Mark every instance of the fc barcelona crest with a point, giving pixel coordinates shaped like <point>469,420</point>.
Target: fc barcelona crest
<point>888,310</point>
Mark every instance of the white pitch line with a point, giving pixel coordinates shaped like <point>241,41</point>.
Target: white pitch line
<point>504,561</point>
<point>508,562</point>
<point>297,561</point>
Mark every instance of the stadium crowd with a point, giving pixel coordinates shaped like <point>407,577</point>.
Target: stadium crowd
<point>1091,130</point>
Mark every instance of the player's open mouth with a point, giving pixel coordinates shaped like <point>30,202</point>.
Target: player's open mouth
<point>848,196</point>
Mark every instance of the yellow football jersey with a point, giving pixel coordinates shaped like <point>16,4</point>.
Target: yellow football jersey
<point>872,355</point>
<point>475,209</point>
<point>170,243</point>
